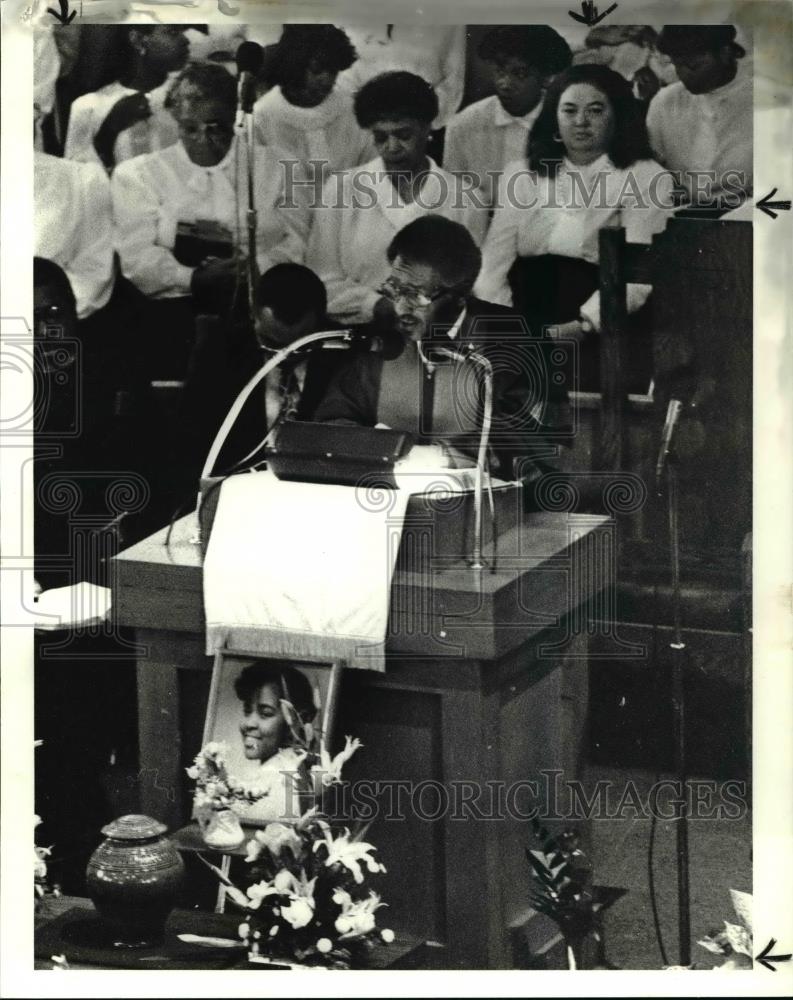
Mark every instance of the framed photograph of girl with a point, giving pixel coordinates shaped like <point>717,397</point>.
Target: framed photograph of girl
<point>269,714</point>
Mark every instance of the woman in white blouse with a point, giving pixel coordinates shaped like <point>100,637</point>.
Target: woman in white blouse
<point>305,114</point>
<point>589,165</point>
<point>363,208</point>
<point>181,213</point>
<point>128,116</point>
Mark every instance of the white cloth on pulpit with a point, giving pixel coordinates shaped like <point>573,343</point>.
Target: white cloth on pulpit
<point>304,570</point>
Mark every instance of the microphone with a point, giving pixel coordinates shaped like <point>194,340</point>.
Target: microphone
<point>673,411</point>
<point>249,59</point>
<point>389,345</point>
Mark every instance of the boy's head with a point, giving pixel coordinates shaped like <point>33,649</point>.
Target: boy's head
<point>704,56</point>
<point>523,59</point>
<point>291,302</point>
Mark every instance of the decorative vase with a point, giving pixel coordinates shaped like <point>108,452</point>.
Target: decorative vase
<point>221,829</point>
<point>133,878</point>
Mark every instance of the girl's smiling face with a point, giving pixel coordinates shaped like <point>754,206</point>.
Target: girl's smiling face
<point>263,726</point>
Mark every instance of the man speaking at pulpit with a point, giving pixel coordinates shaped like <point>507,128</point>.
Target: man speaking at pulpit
<point>427,382</point>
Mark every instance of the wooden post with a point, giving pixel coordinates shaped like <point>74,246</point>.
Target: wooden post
<point>613,324</point>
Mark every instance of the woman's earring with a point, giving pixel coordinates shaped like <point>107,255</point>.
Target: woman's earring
<point>556,137</point>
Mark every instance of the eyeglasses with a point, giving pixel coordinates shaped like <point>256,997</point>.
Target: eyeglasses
<point>213,131</point>
<point>414,297</point>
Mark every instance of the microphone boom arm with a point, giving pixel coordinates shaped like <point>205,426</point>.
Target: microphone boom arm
<point>277,359</point>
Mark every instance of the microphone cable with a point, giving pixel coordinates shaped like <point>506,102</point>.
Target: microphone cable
<point>653,814</point>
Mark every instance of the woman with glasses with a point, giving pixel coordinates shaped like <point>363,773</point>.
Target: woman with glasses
<point>589,165</point>
<point>180,213</point>
<point>362,209</point>
<point>487,135</point>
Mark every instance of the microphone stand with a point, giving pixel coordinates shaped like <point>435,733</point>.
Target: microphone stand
<point>678,663</point>
<point>476,561</point>
<point>251,216</point>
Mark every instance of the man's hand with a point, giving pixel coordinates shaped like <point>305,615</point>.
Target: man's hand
<point>127,111</point>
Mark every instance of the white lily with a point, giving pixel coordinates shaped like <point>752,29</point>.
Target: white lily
<point>357,918</point>
<point>329,768</point>
<point>349,853</point>
<point>275,838</point>
<point>258,893</point>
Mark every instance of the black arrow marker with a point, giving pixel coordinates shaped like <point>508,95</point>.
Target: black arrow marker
<point>64,17</point>
<point>765,204</point>
<point>765,958</point>
<point>590,14</point>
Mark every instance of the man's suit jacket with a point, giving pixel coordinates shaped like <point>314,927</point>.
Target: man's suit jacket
<point>522,384</point>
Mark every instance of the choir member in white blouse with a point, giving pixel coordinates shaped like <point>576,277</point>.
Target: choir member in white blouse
<point>305,114</point>
<point>487,135</point>
<point>362,209</point>
<point>128,117</point>
<point>588,166</point>
<point>180,213</point>
<point>72,218</point>
<point>436,53</point>
<point>703,123</point>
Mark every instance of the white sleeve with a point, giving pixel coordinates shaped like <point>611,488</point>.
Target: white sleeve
<point>642,220</point>
<point>367,148</point>
<point>648,215</point>
<point>498,255</point>
<point>150,267</point>
<point>655,129</point>
<point>476,217</point>
<point>90,270</point>
<point>348,301</point>
<point>291,247</point>
<point>293,215</point>
<point>454,158</point>
<point>83,126</point>
<point>450,87</point>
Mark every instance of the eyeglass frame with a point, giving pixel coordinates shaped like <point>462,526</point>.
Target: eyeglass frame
<point>419,299</point>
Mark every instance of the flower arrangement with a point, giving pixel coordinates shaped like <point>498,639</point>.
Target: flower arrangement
<point>306,898</point>
<point>308,901</point>
<point>41,883</point>
<point>216,789</point>
<point>734,943</point>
